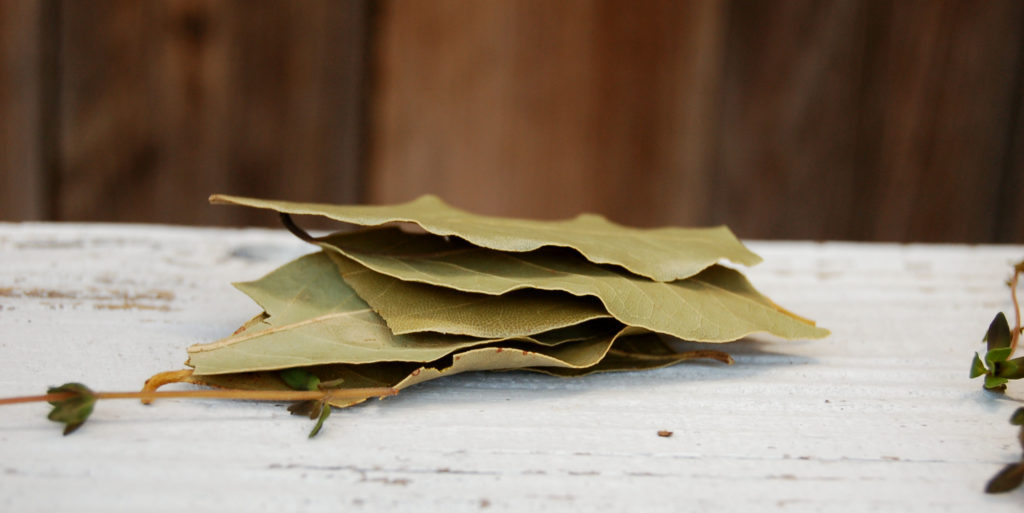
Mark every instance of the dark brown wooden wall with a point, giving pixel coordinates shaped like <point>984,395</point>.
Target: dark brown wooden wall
<point>136,111</point>
<point>842,119</point>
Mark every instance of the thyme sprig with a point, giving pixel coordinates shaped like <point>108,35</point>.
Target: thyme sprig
<point>73,402</point>
<point>999,368</point>
<point>997,365</point>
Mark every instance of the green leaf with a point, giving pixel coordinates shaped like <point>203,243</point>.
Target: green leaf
<point>300,379</point>
<point>410,307</point>
<point>307,328</point>
<point>1010,369</point>
<point>317,410</point>
<point>977,367</point>
<point>1007,479</point>
<point>74,410</point>
<point>995,383</point>
<point>716,305</point>
<point>998,334</point>
<point>662,254</point>
<point>994,356</point>
<point>325,411</point>
<point>1017,419</point>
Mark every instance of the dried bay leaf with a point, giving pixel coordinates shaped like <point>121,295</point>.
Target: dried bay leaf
<point>572,355</point>
<point>637,353</point>
<point>410,307</point>
<point>301,289</point>
<point>314,318</point>
<point>629,350</point>
<point>716,305</point>
<point>661,254</point>
<point>370,375</point>
<point>384,308</point>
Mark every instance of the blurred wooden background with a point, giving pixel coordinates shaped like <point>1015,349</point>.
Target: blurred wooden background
<point>845,119</point>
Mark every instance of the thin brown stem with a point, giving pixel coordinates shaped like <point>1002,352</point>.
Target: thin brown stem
<point>36,398</point>
<point>1015,335</point>
<point>289,223</point>
<point>245,395</point>
<point>686,355</point>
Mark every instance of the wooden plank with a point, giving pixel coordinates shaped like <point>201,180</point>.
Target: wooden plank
<point>297,87</point>
<point>846,119</point>
<point>787,146</point>
<point>541,109</point>
<point>943,87</point>
<point>1010,214</point>
<point>878,417</point>
<point>867,121</point>
<point>108,149</point>
<point>23,173</point>
<point>166,102</point>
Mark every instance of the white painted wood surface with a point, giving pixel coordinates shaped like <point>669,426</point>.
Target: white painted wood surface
<point>878,417</point>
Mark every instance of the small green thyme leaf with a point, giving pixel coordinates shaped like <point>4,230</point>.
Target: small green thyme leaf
<point>995,383</point>
<point>997,355</point>
<point>300,379</point>
<point>1007,479</point>
<point>978,367</point>
<point>998,334</point>
<point>325,411</point>
<point>1010,369</point>
<point>74,410</point>
<point>1012,475</point>
<point>1017,419</point>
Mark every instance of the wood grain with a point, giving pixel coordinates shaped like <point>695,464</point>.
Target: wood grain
<point>880,121</point>
<point>166,102</point>
<point>787,146</point>
<point>805,119</point>
<point>942,87</point>
<point>546,110</point>
<point>1010,215</point>
<point>23,69</point>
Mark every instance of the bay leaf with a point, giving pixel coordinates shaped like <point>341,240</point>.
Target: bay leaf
<point>638,353</point>
<point>572,355</point>
<point>314,318</point>
<point>370,375</point>
<point>411,307</point>
<point>303,288</point>
<point>662,254</point>
<point>716,305</point>
<point>401,375</point>
<point>631,350</point>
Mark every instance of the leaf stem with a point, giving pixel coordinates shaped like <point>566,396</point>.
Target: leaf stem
<point>1015,334</point>
<point>245,395</point>
<point>35,398</point>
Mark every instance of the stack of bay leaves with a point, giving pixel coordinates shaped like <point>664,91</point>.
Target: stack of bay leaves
<point>384,306</point>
